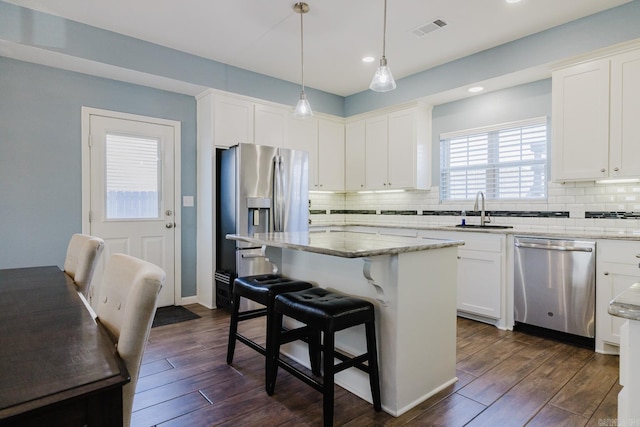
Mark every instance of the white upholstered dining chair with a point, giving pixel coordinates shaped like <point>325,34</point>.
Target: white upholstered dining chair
<point>83,253</point>
<point>126,307</point>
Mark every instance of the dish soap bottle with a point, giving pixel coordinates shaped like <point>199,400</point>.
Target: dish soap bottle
<point>463,221</point>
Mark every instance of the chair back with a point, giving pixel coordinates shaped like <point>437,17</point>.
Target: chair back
<point>126,307</point>
<point>83,253</point>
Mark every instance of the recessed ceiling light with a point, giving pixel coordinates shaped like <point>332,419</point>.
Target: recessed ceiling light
<point>368,59</point>
<point>513,1</point>
<point>475,89</point>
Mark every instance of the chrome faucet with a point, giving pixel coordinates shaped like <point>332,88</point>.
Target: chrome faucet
<point>483,219</point>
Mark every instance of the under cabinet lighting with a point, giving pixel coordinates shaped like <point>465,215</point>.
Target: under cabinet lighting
<point>617,181</point>
<point>380,191</point>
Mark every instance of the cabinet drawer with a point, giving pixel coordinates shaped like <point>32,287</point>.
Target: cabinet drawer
<point>480,242</point>
<point>618,251</point>
<point>472,241</point>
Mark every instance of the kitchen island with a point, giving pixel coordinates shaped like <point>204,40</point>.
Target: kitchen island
<point>412,283</point>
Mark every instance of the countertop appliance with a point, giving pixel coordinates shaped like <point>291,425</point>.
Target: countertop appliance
<point>259,189</point>
<point>554,287</point>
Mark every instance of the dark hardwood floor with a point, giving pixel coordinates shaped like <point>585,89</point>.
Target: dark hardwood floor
<point>505,379</point>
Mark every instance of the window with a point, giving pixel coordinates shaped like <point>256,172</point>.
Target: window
<point>507,161</point>
<point>132,177</point>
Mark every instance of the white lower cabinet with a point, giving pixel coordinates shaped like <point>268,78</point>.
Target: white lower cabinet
<point>479,279</point>
<point>482,276</point>
<point>617,268</point>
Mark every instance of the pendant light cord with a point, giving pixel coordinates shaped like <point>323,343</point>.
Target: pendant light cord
<point>384,30</point>
<point>302,48</point>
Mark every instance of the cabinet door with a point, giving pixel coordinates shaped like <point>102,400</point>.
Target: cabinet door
<point>269,125</point>
<point>580,104</point>
<point>401,149</point>
<point>355,156</point>
<point>376,138</point>
<point>233,121</point>
<point>330,155</point>
<point>612,279</point>
<point>302,134</point>
<point>625,111</point>
<point>479,282</point>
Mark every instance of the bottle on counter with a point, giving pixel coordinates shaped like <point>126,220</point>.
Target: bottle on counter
<point>463,220</point>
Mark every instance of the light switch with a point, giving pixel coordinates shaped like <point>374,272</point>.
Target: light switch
<point>187,201</point>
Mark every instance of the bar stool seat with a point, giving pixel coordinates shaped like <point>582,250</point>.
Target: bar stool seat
<point>327,312</point>
<point>263,289</point>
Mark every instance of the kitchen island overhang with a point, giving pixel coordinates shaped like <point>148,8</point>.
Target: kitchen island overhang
<point>412,283</point>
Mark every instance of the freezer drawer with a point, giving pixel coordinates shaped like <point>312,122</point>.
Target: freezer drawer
<point>252,261</point>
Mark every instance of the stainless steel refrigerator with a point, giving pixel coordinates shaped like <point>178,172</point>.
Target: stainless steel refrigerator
<point>259,189</point>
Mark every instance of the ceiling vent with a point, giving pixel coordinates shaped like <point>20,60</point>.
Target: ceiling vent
<point>425,29</point>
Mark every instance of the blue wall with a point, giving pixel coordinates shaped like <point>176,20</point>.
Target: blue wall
<point>40,158</point>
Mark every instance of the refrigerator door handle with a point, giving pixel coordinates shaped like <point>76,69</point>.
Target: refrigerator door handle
<point>277,187</point>
<point>281,195</point>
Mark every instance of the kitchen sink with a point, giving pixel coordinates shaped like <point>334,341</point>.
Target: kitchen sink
<point>483,226</point>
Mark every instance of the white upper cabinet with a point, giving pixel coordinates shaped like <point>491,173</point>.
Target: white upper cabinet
<point>625,115</point>
<point>354,156</point>
<point>331,165</point>
<point>270,125</point>
<point>324,141</point>
<point>596,134</point>
<point>376,140</point>
<point>409,149</point>
<point>233,121</point>
<point>398,149</point>
<point>303,135</point>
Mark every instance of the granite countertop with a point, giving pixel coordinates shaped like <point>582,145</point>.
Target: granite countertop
<point>631,234</point>
<point>345,244</point>
<point>627,304</point>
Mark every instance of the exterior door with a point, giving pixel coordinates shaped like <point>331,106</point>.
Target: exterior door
<point>132,200</point>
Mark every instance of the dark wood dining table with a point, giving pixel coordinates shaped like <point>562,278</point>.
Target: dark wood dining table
<point>58,366</point>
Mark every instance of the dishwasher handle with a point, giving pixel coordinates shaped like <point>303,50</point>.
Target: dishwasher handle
<point>553,247</point>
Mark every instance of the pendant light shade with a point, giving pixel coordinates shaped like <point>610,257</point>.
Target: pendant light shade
<point>383,79</point>
<point>303,108</point>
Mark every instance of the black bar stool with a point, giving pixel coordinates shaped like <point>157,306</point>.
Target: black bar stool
<point>262,289</point>
<point>327,312</point>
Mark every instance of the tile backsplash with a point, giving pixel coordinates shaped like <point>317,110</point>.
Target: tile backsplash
<point>579,206</point>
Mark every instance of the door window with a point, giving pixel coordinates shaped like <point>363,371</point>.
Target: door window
<point>132,177</point>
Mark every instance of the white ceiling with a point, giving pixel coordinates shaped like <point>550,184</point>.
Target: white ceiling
<point>264,35</point>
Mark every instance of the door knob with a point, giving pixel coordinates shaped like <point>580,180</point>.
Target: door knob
<point>169,225</point>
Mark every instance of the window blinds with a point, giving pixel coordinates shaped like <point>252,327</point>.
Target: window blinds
<point>506,161</point>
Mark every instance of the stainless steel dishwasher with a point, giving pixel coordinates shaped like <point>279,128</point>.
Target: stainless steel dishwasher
<point>554,285</point>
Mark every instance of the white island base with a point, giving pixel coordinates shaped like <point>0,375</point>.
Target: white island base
<point>415,298</point>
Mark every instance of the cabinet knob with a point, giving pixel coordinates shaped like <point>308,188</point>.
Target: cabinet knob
<point>637,255</point>
<point>606,273</point>
<point>603,170</point>
<point>616,169</point>
<point>361,185</point>
<point>320,185</point>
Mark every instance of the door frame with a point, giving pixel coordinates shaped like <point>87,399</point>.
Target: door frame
<point>86,113</point>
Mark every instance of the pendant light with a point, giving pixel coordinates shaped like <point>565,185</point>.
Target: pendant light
<point>383,79</point>
<point>303,109</point>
